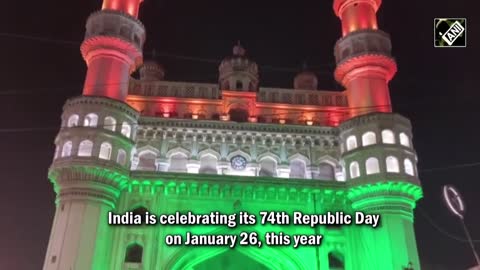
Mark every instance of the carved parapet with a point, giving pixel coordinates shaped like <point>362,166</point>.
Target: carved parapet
<point>387,197</point>
<point>116,24</point>
<point>362,42</point>
<point>115,33</point>
<point>238,187</point>
<point>86,181</point>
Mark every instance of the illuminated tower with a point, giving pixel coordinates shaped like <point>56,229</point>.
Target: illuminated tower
<point>377,151</point>
<point>95,141</point>
<point>364,63</point>
<point>162,146</point>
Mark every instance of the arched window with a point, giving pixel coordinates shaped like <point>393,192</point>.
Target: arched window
<point>372,166</point>
<point>407,163</point>
<point>404,140</point>
<point>335,261</point>
<point>392,164</point>
<point>297,168</point>
<point>327,171</point>
<point>134,253</point>
<point>146,161</point>
<point>72,120</point>
<point>126,130</point>
<point>90,120</point>
<point>354,170</point>
<point>85,148</point>
<point>388,137</point>
<point>122,157</point>
<point>369,138</point>
<point>67,149</point>
<point>268,167</point>
<point>105,151</point>
<point>109,123</point>
<point>178,163</point>
<point>208,164</point>
<point>351,142</point>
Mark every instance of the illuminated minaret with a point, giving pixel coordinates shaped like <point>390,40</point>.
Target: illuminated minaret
<point>96,141</point>
<point>112,48</point>
<point>377,151</point>
<point>364,63</point>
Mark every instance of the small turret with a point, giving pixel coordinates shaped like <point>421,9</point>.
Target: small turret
<point>305,80</point>
<point>152,71</point>
<point>238,72</point>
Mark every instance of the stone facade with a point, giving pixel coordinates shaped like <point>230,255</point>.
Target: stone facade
<point>153,145</point>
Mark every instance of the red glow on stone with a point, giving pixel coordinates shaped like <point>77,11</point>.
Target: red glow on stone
<point>126,6</point>
<point>358,17</point>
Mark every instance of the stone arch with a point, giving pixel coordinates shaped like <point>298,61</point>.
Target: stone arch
<point>146,158</point>
<point>241,153</point>
<point>178,150</point>
<point>300,157</point>
<point>329,160</point>
<point>270,155</point>
<point>271,257</point>
<point>148,149</point>
<point>209,152</point>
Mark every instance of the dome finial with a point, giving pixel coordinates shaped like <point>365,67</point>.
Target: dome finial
<point>238,50</point>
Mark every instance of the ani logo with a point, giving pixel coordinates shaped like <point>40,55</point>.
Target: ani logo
<point>450,32</point>
<point>238,163</point>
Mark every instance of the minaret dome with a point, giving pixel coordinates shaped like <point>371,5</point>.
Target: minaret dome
<point>238,72</point>
<point>305,80</point>
<point>152,71</point>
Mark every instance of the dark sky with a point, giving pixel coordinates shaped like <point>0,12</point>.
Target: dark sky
<point>438,89</point>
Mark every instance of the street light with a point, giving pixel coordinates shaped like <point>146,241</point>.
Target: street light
<point>456,205</point>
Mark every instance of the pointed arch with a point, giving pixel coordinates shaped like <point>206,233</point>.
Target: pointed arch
<point>208,161</point>
<point>298,166</point>
<point>209,152</point>
<point>147,156</point>
<point>147,148</point>
<point>178,150</point>
<point>299,157</point>
<point>328,159</point>
<point>240,153</point>
<point>270,155</point>
<point>178,159</point>
<point>187,257</point>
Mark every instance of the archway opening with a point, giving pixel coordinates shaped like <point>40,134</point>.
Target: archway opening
<point>238,115</point>
<point>231,260</point>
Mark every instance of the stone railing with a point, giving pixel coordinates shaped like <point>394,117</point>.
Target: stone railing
<point>174,89</point>
<point>302,97</point>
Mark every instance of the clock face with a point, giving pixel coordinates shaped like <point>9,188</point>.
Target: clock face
<point>238,163</point>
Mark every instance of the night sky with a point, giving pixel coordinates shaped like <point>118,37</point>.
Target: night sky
<point>438,89</point>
